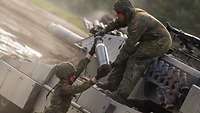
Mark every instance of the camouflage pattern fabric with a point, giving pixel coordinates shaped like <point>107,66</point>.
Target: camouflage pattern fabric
<point>147,38</point>
<point>127,7</point>
<point>115,76</point>
<point>81,66</point>
<point>103,70</point>
<point>134,70</point>
<point>60,69</point>
<point>64,69</point>
<point>63,94</point>
<point>146,35</point>
<point>119,4</point>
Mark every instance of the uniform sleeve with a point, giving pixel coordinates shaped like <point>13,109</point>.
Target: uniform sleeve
<point>74,89</point>
<point>114,25</point>
<point>135,32</point>
<point>122,57</point>
<point>81,66</point>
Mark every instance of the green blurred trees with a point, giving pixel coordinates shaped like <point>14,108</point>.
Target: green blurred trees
<point>183,14</point>
<point>84,7</point>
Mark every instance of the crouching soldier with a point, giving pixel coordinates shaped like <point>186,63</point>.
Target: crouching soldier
<point>147,39</point>
<point>64,90</point>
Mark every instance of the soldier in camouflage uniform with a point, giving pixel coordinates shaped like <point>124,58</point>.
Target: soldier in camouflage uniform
<point>147,38</point>
<point>64,90</point>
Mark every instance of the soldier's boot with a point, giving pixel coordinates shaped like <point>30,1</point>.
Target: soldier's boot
<point>115,76</point>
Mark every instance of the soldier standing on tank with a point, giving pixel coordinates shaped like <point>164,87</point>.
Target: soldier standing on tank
<point>147,38</point>
<point>64,90</point>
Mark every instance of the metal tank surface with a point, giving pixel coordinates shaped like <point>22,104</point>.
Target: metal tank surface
<point>192,102</point>
<point>97,102</point>
<point>24,85</point>
<point>191,75</point>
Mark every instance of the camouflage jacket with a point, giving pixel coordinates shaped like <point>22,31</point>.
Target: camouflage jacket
<point>63,94</point>
<point>141,28</point>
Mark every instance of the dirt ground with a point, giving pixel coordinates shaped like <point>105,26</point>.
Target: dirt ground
<point>29,23</point>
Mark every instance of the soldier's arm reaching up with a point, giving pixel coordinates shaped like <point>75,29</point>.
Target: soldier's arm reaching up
<point>74,89</point>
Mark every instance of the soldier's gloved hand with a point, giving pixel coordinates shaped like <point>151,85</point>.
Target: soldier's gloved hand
<point>92,51</point>
<point>103,71</point>
<point>100,33</point>
<point>114,64</point>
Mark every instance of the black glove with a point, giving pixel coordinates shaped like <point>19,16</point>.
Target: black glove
<point>100,33</point>
<point>92,51</point>
<point>113,64</point>
<point>103,71</point>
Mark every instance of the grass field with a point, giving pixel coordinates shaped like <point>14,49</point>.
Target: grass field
<point>71,18</point>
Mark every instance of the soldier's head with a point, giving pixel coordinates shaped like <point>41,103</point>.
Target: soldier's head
<point>125,10</point>
<point>66,71</point>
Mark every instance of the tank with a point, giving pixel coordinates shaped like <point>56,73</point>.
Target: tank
<point>24,85</point>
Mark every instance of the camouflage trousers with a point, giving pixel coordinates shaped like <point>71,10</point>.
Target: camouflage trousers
<point>125,76</point>
<point>125,81</point>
